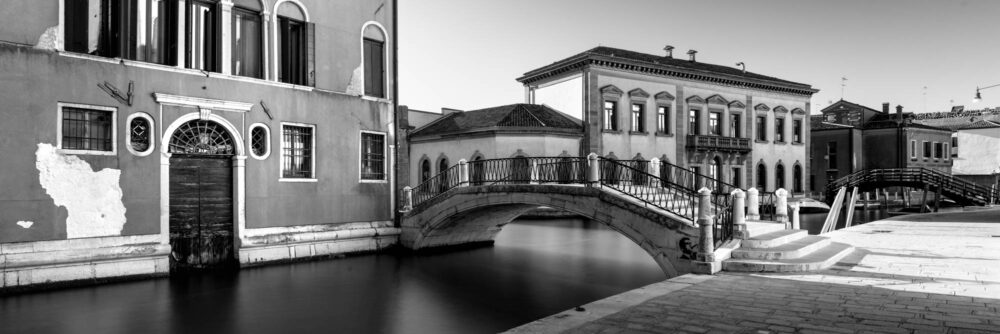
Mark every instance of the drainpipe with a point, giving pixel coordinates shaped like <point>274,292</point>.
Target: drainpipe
<point>395,108</point>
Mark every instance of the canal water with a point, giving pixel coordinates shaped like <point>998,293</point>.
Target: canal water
<point>535,269</point>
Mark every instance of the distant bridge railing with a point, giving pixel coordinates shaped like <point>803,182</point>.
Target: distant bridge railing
<point>917,177</point>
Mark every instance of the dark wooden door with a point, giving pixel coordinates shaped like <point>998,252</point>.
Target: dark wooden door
<point>201,211</point>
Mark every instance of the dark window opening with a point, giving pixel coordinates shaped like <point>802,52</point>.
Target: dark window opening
<point>662,119</point>
<point>258,141</point>
<point>610,115</point>
<point>797,179</point>
<point>779,176</point>
<point>734,125</point>
<point>693,121</point>
<point>831,155</point>
<point>779,130</point>
<point>638,119</point>
<point>87,129</point>
<point>109,28</point>
<point>297,151</point>
<point>294,49</point>
<point>203,34</point>
<point>797,131</point>
<point>761,131</point>
<point>372,156</point>
<point>927,149</point>
<point>715,123</point>
<point>139,134</point>
<point>374,68</point>
<point>761,178</point>
<point>246,44</point>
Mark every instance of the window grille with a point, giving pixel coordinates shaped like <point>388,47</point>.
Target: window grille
<point>86,129</point>
<point>139,134</point>
<point>201,138</point>
<point>297,151</point>
<point>258,141</point>
<point>372,156</point>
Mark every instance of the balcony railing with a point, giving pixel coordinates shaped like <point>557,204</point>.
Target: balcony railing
<point>717,143</point>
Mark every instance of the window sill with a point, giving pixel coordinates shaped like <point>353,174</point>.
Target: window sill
<point>376,99</point>
<point>776,142</point>
<point>297,180</point>
<point>664,134</point>
<point>86,152</point>
<point>642,133</point>
<point>611,131</point>
<point>760,141</point>
<point>798,143</point>
<point>373,181</point>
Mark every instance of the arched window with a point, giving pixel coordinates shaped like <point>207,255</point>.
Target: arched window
<point>425,170</point>
<point>296,41</point>
<point>761,177</point>
<point>443,172</point>
<point>373,53</point>
<point>797,178</point>
<point>779,176</point>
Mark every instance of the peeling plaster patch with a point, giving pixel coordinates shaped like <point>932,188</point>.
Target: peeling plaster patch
<point>25,224</point>
<point>93,200</point>
<point>356,87</point>
<point>49,39</point>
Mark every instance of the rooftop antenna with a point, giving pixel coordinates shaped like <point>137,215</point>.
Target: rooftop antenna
<point>843,84</point>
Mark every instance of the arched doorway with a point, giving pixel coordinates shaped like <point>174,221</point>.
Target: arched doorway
<point>761,177</point>
<point>425,171</point>
<point>443,171</point>
<point>201,196</point>
<point>779,177</point>
<point>797,179</point>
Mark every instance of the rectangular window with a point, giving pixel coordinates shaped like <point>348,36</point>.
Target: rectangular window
<point>374,68</point>
<point>797,131</point>
<point>734,125</point>
<point>913,149</point>
<point>246,38</point>
<point>694,121</point>
<point>662,119</point>
<point>736,177</point>
<point>297,145</point>
<point>144,30</point>
<point>927,149</point>
<point>954,147</point>
<point>761,128</point>
<point>372,156</point>
<point>87,129</point>
<point>715,123</point>
<point>779,130</point>
<point>610,115</point>
<point>159,31</point>
<point>946,152</point>
<point>203,33</point>
<point>938,150</point>
<point>292,51</point>
<point>831,155</point>
<point>638,118</point>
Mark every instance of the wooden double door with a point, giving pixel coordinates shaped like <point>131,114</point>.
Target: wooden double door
<point>201,211</point>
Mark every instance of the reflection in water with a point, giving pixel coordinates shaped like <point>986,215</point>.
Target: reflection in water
<point>535,269</point>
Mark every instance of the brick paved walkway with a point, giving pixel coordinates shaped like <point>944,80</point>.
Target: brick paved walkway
<point>930,274</point>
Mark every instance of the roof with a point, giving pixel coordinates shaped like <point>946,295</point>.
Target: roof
<point>983,124</point>
<point>512,116</point>
<point>890,123</point>
<point>662,65</point>
<point>850,105</point>
<point>828,126</point>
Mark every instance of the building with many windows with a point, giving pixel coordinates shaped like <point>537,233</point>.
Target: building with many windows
<point>741,127</point>
<point>849,137</point>
<point>146,136</point>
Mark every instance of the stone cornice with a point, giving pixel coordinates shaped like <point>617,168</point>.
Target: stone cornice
<point>638,93</point>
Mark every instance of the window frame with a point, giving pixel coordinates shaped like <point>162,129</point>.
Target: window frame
<point>715,129</point>
<point>927,150</point>
<point>779,130</point>
<point>303,49</point>
<point>797,131</point>
<point>59,129</point>
<point>831,155</point>
<point>913,149</point>
<point>662,119</point>
<point>281,168</point>
<point>249,144</point>
<point>215,64</point>
<point>946,153</point>
<point>385,157</point>
<point>128,133</point>
<point>261,33</point>
<point>383,77</point>
<point>694,121</point>
<point>760,125</point>
<point>609,115</point>
<point>638,117</point>
<point>735,124</point>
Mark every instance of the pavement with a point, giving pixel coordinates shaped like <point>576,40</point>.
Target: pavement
<point>929,273</point>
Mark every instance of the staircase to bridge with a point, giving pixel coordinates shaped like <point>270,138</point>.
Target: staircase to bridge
<point>686,221</point>
<point>961,191</point>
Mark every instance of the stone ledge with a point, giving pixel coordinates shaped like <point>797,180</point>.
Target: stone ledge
<point>277,236</point>
<point>83,273</point>
<point>262,255</point>
<point>81,256</point>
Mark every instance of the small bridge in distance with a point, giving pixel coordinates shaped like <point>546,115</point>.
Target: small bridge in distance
<point>961,191</point>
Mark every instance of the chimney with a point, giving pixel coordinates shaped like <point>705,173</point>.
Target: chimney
<point>670,50</point>
<point>691,54</point>
<point>899,113</point>
<point>885,107</point>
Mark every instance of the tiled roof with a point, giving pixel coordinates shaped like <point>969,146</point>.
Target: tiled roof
<point>850,105</point>
<point>892,124</point>
<point>520,116</point>
<point>983,124</point>
<point>655,61</point>
<point>828,125</point>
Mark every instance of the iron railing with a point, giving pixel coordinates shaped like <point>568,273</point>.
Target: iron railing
<point>523,170</point>
<point>918,177</point>
<point>436,185</point>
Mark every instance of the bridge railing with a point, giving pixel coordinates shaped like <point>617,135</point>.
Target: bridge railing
<point>916,176</point>
<point>437,185</point>
<point>524,170</point>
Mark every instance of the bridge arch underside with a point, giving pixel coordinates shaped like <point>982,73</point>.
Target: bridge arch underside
<point>477,214</point>
<point>966,199</point>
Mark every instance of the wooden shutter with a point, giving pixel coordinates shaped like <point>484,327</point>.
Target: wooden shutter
<point>310,50</point>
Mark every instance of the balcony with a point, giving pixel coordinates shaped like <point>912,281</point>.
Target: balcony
<point>716,143</point>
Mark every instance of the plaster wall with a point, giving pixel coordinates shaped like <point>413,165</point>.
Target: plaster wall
<point>978,152</point>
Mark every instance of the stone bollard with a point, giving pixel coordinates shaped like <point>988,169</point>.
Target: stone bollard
<point>706,253</point>
<point>795,216</point>
<point>753,204</point>
<point>739,207</point>
<point>534,172</point>
<point>594,168</point>
<point>407,199</point>
<point>781,206</point>
<point>463,173</point>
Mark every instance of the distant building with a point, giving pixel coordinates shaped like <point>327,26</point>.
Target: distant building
<point>975,145</point>
<point>848,137</point>
<point>745,128</point>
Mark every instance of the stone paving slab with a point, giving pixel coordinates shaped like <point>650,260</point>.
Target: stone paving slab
<point>933,273</point>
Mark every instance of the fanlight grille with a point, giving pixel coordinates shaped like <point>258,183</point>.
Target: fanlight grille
<point>201,138</point>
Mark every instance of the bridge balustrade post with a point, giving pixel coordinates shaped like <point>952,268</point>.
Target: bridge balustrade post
<point>534,172</point>
<point>739,206</point>
<point>781,206</point>
<point>593,168</point>
<point>407,199</point>
<point>654,167</point>
<point>795,216</point>
<point>753,204</point>
<point>463,173</point>
<point>706,226</point>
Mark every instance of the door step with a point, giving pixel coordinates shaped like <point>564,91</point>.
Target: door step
<point>820,259</point>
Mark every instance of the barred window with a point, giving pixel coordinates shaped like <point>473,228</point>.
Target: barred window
<point>139,137</point>
<point>87,129</point>
<point>297,151</point>
<point>259,138</point>
<point>372,156</point>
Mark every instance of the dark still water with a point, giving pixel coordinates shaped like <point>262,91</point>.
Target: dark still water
<point>535,269</point>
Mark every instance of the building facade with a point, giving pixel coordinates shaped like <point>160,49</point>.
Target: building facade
<point>741,127</point>
<point>146,136</point>
<point>848,137</point>
<point>975,145</point>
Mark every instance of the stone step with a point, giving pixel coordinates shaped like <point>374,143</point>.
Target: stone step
<point>774,239</point>
<point>820,259</point>
<point>751,229</point>
<point>792,249</point>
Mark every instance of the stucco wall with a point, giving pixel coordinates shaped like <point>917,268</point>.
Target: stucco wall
<point>978,152</point>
